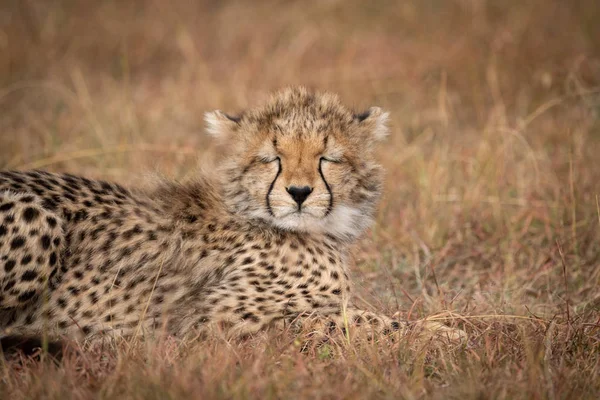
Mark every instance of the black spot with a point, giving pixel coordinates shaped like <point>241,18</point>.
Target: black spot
<point>395,325</point>
<point>29,275</point>
<point>2,230</point>
<point>51,221</point>
<point>229,260</point>
<point>26,199</point>
<point>30,214</point>
<point>9,265</point>
<point>62,303</point>
<point>80,215</point>
<point>45,242</point>
<point>239,310</point>
<point>6,206</point>
<point>251,317</point>
<point>26,296</point>
<point>94,234</point>
<point>336,291</point>
<point>52,259</point>
<point>128,234</point>
<point>17,242</point>
<point>247,260</point>
<point>29,319</point>
<point>49,204</point>
<point>106,214</point>
<point>127,251</point>
<point>106,186</point>
<point>67,215</point>
<point>74,291</point>
<point>9,285</point>
<point>26,260</point>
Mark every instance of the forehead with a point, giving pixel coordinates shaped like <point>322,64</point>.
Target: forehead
<point>307,142</point>
<point>305,125</point>
<point>301,114</point>
<point>306,132</point>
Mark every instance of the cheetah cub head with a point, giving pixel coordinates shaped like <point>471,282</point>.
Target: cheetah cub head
<point>302,162</point>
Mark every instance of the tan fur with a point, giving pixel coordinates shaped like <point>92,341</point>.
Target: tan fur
<point>235,251</point>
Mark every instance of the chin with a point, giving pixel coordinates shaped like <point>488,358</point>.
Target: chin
<point>343,222</point>
<point>298,221</point>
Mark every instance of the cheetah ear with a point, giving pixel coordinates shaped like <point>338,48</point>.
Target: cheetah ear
<point>375,121</point>
<point>219,124</point>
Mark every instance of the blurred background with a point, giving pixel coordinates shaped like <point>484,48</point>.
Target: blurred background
<point>492,165</point>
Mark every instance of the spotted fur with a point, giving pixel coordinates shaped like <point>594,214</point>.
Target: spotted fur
<point>81,257</point>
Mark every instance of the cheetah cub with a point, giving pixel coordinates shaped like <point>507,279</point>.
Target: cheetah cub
<point>264,243</point>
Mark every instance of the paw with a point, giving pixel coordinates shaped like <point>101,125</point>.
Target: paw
<point>434,329</point>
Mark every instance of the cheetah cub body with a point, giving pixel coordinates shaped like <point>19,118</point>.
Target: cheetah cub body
<point>266,242</point>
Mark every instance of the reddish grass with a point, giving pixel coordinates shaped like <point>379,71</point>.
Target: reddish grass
<point>491,215</point>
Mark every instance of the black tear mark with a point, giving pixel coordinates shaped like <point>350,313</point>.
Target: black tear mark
<point>279,169</point>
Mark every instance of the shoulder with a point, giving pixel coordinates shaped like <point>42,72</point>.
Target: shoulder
<point>197,197</point>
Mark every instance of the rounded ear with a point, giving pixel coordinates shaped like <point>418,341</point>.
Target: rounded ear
<point>219,124</point>
<point>375,121</point>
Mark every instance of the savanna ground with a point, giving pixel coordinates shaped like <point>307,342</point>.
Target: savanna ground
<point>490,220</point>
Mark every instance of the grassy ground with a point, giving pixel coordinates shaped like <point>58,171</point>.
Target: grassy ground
<point>491,214</point>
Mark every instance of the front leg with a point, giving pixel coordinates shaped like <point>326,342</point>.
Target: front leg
<point>356,323</point>
<point>352,320</point>
<point>247,312</point>
<point>249,300</point>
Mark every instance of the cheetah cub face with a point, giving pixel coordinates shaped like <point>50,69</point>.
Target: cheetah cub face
<point>302,162</point>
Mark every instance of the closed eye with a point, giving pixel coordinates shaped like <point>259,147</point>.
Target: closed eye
<point>334,160</point>
<point>268,159</point>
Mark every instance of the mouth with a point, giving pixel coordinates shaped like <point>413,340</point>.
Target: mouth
<point>299,214</point>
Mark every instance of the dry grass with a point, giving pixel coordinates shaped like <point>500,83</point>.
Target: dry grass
<point>491,214</point>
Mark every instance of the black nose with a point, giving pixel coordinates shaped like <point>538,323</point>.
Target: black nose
<point>299,194</point>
